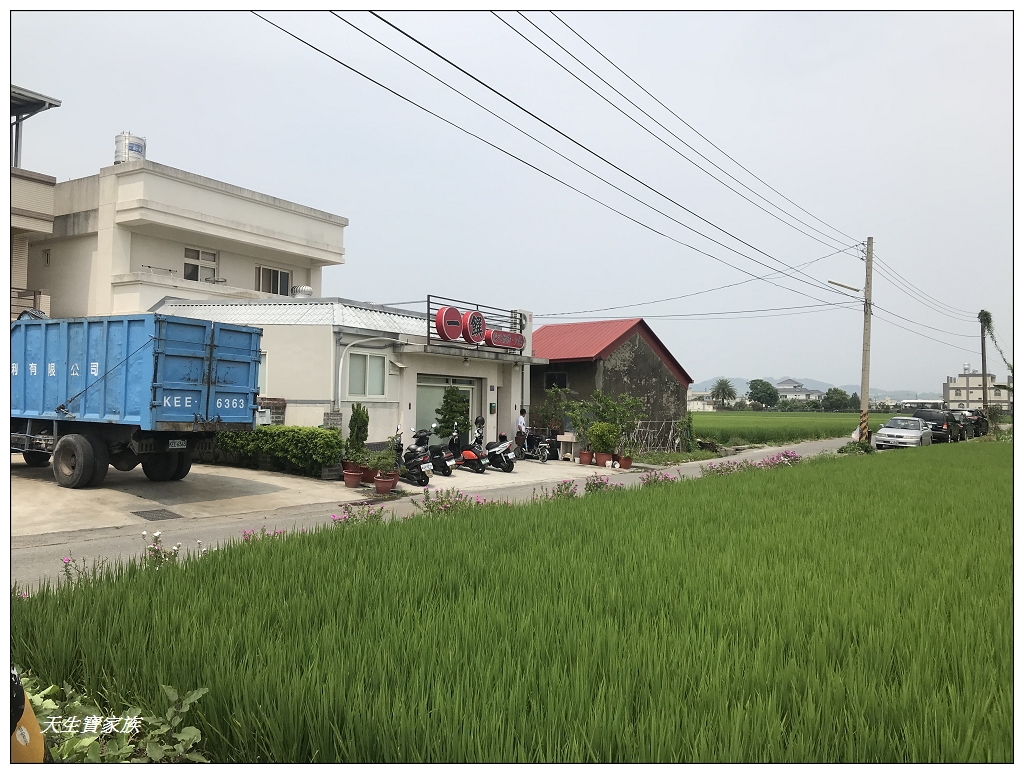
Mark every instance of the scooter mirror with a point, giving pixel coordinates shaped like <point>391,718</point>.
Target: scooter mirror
<point>399,427</point>
<point>433,426</point>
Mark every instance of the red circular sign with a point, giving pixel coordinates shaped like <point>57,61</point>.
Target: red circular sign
<point>505,339</point>
<point>448,323</point>
<point>474,327</point>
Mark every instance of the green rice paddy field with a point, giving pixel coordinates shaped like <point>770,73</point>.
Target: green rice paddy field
<point>854,609</point>
<point>774,427</point>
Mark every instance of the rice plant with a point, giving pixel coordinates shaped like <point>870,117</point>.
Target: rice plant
<point>855,609</point>
<point>776,427</point>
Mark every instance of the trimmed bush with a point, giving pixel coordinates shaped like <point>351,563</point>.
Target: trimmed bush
<point>306,448</point>
<point>604,437</point>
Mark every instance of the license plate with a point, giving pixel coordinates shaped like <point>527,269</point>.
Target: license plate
<point>426,466</point>
<point>485,462</point>
<point>177,444</point>
<point>511,456</point>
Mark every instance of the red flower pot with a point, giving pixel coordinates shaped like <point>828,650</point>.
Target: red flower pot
<point>352,478</point>
<point>602,459</point>
<point>586,457</point>
<point>625,463</point>
<point>368,475</point>
<point>394,478</point>
<point>382,485</point>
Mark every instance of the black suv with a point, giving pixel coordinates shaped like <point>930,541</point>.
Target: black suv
<point>980,421</point>
<point>943,424</point>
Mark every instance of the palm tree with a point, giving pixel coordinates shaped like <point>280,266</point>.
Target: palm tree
<point>723,391</point>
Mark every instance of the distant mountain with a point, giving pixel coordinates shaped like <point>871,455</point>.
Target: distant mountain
<point>742,386</point>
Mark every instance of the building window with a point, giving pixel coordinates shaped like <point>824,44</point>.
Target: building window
<point>200,265</point>
<point>46,257</point>
<point>999,393</point>
<point>274,281</point>
<point>559,379</point>
<point>957,392</point>
<point>366,375</point>
<point>261,379</point>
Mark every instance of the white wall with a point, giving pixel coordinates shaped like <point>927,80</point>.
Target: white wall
<point>67,277</point>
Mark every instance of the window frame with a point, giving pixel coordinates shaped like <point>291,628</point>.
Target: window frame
<point>200,264</point>
<point>549,374</point>
<point>261,267</point>
<point>365,395</point>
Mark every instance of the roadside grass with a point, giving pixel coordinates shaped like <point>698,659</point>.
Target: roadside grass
<point>841,610</point>
<point>675,458</point>
<point>775,427</point>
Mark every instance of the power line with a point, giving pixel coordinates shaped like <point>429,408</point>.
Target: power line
<point>707,316</point>
<point>884,274</point>
<point>534,167</point>
<point>819,285</point>
<point>953,309</point>
<point>685,295</point>
<point>571,161</point>
<point>918,333</point>
<point>665,128</point>
<point>691,128</point>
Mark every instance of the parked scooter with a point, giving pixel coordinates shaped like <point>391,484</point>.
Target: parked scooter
<point>469,455</point>
<point>500,453</point>
<point>440,457</point>
<point>414,466</point>
<point>535,448</point>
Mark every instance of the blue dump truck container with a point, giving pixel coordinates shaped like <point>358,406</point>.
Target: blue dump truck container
<point>146,389</point>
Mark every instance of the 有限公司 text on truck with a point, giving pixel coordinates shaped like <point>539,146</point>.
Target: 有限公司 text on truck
<point>134,389</point>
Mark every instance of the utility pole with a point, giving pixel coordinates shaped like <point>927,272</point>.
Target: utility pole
<point>865,362</point>
<point>984,367</point>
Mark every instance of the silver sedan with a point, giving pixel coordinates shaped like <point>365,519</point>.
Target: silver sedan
<point>903,431</point>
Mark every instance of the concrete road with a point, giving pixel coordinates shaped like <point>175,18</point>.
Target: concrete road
<point>215,504</point>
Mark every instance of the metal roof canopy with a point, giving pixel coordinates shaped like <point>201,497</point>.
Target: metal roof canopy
<point>25,103</point>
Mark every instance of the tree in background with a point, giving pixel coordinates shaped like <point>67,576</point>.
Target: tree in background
<point>722,392</point>
<point>835,400</point>
<point>763,392</point>
<point>854,402</point>
<point>551,413</point>
<point>454,408</point>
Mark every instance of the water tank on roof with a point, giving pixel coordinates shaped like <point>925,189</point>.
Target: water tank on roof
<point>128,147</point>
<point>302,291</point>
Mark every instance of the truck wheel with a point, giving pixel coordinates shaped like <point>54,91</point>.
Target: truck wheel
<point>36,459</point>
<point>100,460</point>
<point>73,461</point>
<point>183,467</point>
<point>160,466</point>
<point>125,461</point>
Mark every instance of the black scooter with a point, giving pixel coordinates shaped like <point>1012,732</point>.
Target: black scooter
<point>414,466</point>
<point>500,453</point>
<point>441,458</point>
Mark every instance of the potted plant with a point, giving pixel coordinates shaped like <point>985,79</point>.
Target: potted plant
<point>578,413</point>
<point>630,414</point>
<point>358,430</point>
<point>383,464</point>
<point>604,437</point>
<point>353,477</point>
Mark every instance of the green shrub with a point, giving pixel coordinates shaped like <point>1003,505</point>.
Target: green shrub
<point>358,430</point>
<point>454,408</point>
<point>382,461</point>
<point>604,437</point>
<point>305,448</point>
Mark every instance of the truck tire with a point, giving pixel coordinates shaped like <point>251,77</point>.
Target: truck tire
<point>183,467</point>
<point>73,461</point>
<point>100,460</point>
<point>160,466</point>
<point>36,459</point>
<point>125,461</point>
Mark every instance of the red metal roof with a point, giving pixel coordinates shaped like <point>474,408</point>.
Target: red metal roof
<point>596,340</point>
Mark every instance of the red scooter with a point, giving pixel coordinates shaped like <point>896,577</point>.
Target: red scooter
<point>472,455</point>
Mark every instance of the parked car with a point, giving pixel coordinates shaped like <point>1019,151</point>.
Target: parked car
<point>980,421</point>
<point>967,423</point>
<point>903,431</point>
<point>942,423</point>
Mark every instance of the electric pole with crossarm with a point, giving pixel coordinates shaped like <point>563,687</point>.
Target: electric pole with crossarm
<point>865,362</point>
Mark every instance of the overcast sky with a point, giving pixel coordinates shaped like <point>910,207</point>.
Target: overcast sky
<point>891,125</point>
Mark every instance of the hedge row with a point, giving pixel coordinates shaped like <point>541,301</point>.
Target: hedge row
<point>306,448</point>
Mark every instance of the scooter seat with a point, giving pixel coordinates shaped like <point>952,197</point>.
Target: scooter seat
<point>436,449</point>
<point>491,445</point>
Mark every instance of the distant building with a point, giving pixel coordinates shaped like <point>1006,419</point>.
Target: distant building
<point>965,390</point>
<point>699,400</point>
<point>31,205</point>
<point>791,389</point>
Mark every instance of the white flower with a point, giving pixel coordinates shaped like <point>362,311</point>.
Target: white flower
<point>156,534</point>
